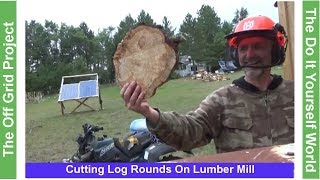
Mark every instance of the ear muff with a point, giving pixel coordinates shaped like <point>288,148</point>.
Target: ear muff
<point>280,45</point>
<point>278,49</point>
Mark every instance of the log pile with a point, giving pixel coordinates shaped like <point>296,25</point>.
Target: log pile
<point>208,76</point>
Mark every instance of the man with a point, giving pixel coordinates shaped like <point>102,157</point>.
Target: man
<point>254,111</point>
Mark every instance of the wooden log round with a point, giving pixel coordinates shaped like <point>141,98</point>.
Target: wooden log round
<point>145,55</point>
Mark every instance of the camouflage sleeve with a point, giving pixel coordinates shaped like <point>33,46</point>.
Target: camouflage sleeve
<point>195,129</point>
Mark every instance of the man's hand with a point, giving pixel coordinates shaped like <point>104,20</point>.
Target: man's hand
<point>133,97</point>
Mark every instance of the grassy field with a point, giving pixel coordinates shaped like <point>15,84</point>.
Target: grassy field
<point>50,136</point>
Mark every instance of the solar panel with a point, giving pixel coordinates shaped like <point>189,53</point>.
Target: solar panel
<point>69,91</point>
<point>88,88</point>
<point>80,90</point>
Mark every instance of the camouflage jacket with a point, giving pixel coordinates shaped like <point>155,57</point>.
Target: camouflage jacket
<point>237,116</point>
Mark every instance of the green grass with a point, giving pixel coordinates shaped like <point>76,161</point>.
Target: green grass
<point>51,136</point>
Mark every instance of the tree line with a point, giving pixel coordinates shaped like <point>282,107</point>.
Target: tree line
<point>53,51</point>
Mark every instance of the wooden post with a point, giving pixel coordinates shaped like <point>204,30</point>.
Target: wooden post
<point>62,108</point>
<point>100,100</point>
<point>286,18</point>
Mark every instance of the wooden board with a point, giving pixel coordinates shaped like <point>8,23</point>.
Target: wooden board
<point>286,17</point>
<point>280,153</point>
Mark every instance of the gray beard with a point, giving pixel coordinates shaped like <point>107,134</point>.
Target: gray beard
<point>253,73</point>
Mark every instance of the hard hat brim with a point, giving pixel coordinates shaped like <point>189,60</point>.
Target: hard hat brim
<point>234,38</point>
<point>251,33</point>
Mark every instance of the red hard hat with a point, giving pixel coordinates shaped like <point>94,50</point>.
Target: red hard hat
<point>255,25</point>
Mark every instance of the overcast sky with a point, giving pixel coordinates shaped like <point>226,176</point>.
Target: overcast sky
<point>99,14</point>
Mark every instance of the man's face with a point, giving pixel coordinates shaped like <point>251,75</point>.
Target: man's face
<point>255,52</point>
